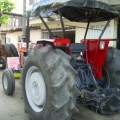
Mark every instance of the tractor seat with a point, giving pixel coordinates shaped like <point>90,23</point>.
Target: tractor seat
<point>77,50</point>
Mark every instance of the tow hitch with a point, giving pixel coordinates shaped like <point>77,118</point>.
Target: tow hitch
<point>97,97</point>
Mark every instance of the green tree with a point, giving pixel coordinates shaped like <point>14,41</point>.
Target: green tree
<point>6,7</point>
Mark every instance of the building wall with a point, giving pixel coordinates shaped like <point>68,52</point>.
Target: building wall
<point>14,37</point>
<point>19,6</point>
<point>115,31</point>
<point>80,32</point>
<point>2,37</point>
<point>35,34</point>
<point>13,23</point>
<point>110,33</point>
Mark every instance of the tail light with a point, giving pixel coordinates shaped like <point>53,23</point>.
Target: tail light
<point>102,45</point>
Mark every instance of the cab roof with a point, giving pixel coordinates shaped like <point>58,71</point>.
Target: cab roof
<point>74,10</point>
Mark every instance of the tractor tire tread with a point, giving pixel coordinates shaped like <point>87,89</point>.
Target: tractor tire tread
<point>112,65</point>
<point>6,47</point>
<point>14,50</point>
<point>62,82</point>
<point>11,82</point>
<point>3,62</point>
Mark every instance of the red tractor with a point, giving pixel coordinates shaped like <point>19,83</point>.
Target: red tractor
<point>57,74</point>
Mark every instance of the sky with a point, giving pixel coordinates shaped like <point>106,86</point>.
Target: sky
<point>19,6</point>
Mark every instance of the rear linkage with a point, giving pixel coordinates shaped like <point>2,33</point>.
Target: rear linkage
<point>91,94</point>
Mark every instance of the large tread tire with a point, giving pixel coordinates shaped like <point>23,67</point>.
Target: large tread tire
<point>3,62</point>
<point>60,80</point>
<point>14,50</point>
<point>6,50</point>
<point>112,65</point>
<point>9,88</point>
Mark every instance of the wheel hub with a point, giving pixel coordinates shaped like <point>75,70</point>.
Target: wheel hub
<point>35,89</point>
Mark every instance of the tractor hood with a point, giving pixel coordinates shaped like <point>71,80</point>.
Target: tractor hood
<point>74,10</point>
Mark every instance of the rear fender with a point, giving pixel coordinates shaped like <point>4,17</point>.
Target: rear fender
<point>95,54</point>
<point>60,43</point>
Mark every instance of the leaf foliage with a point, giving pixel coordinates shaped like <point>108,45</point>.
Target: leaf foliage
<point>6,7</point>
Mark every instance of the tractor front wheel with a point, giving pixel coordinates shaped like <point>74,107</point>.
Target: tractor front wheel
<point>8,82</point>
<point>112,75</point>
<point>48,84</point>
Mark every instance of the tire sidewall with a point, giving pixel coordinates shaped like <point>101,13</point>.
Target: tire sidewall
<point>5,73</point>
<point>12,81</point>
<point>112,66</point>
<point>8,50</point>
<point>46,76</point>
<point>14,50</point>
<point>3,62</point>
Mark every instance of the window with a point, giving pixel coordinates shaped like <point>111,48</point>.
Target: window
<point>20,22</point>
<point>15,21</point>
<point>19,38</point>
<point>11,21</point>
<point>45,35</point>
<point>8,40</point>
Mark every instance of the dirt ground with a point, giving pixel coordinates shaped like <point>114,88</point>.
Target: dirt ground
<point>12,108</point>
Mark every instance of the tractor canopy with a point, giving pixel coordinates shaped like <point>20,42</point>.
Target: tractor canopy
<point>74,10</point>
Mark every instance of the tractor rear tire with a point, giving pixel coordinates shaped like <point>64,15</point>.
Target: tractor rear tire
<point>49,71</point>
<point>112,65</point>
<point>6,50</point>
<point>14,50</point>
<point>3,62</point>
<point>8,82</point>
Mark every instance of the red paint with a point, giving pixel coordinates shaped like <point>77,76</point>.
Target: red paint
<point>22,46</point>
<point>63,42</point>
<point>58,42</point>
<point>95,56</point>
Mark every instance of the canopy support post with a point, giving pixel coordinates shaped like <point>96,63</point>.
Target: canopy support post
<point>87,29</point>
<point>62,23</point>
<point>27,33</point>
<point>105,28</point>
<point>51,34</point>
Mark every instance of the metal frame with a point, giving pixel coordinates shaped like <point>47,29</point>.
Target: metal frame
<point>63,28</point>
<point>88,79</point>
<point>105,28</point>
<point>62,23</point>
<point>27,33</point>
<point>51,34</point>
<point>87,29</point>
